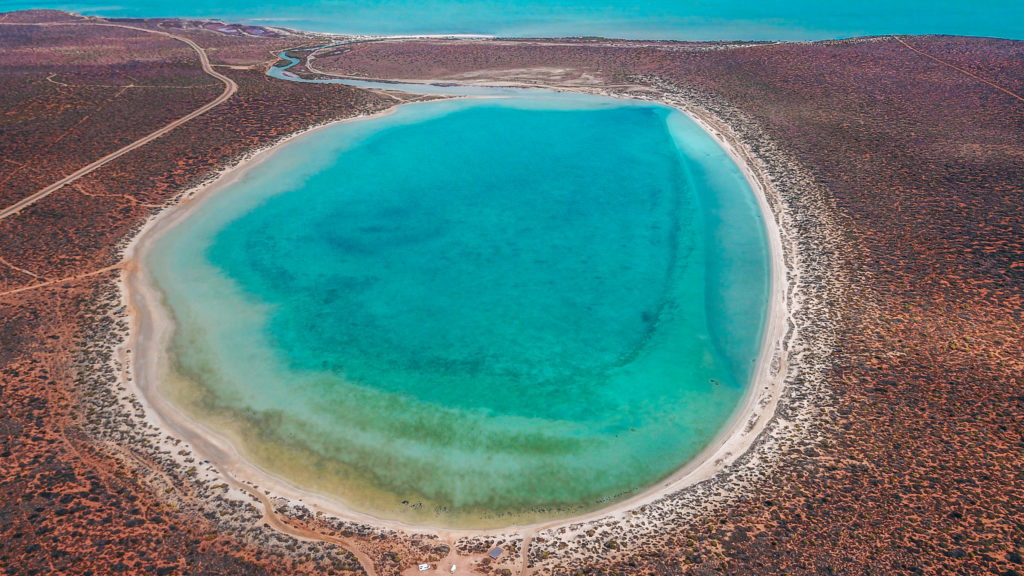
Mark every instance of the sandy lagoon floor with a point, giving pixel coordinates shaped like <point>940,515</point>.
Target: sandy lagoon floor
<point>150,329</point>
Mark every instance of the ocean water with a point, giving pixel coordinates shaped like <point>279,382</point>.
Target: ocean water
<point>473,312</point>
<point>652,19</point>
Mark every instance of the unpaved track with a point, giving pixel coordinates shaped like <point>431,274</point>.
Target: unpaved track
<point>269,514</point>
<point>229,89</point>
<point>60,280</point>
<point>275,522</point>
<point>959,69</point>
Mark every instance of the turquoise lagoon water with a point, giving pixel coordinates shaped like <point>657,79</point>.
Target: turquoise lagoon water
<point>651,19</point>
<point>473,312</point>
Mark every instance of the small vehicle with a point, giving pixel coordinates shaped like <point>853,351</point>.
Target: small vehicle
<point>424,567</point>
<point>452,571</point>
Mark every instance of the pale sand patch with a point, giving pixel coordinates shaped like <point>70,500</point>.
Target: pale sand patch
<point>151,328</point>
<point>543,78</point>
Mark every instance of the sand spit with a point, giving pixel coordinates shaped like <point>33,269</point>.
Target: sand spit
<point>779,414</point>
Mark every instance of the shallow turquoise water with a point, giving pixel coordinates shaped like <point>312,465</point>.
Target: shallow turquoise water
<point>474,310</point>
<point>650,19</point>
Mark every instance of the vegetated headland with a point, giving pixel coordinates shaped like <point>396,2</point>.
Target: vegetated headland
<point>894,168</point>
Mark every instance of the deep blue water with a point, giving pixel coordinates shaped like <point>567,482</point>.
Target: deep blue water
<point>652,19</point>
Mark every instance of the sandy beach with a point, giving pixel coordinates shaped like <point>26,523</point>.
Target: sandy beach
<point>144,355</point>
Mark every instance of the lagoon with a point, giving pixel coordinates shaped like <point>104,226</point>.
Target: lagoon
<point>473,312</point>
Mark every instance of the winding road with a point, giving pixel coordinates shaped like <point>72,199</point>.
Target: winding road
<point>274,521</point>
<point>229,89</point>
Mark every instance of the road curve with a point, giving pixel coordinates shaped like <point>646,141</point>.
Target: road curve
<point>269,516</point>
<point>274,521</point>
<point>229,89</point>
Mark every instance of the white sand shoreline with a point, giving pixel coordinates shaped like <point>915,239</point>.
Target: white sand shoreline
<point>151,328</point>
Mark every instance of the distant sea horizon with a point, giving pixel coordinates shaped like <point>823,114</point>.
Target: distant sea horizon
<point>765,20</point>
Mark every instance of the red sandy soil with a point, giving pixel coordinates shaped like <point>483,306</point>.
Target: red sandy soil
<point>62,81</point>
<point>69,504</point>
<point>919,471</point>
<point>239,45</point>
